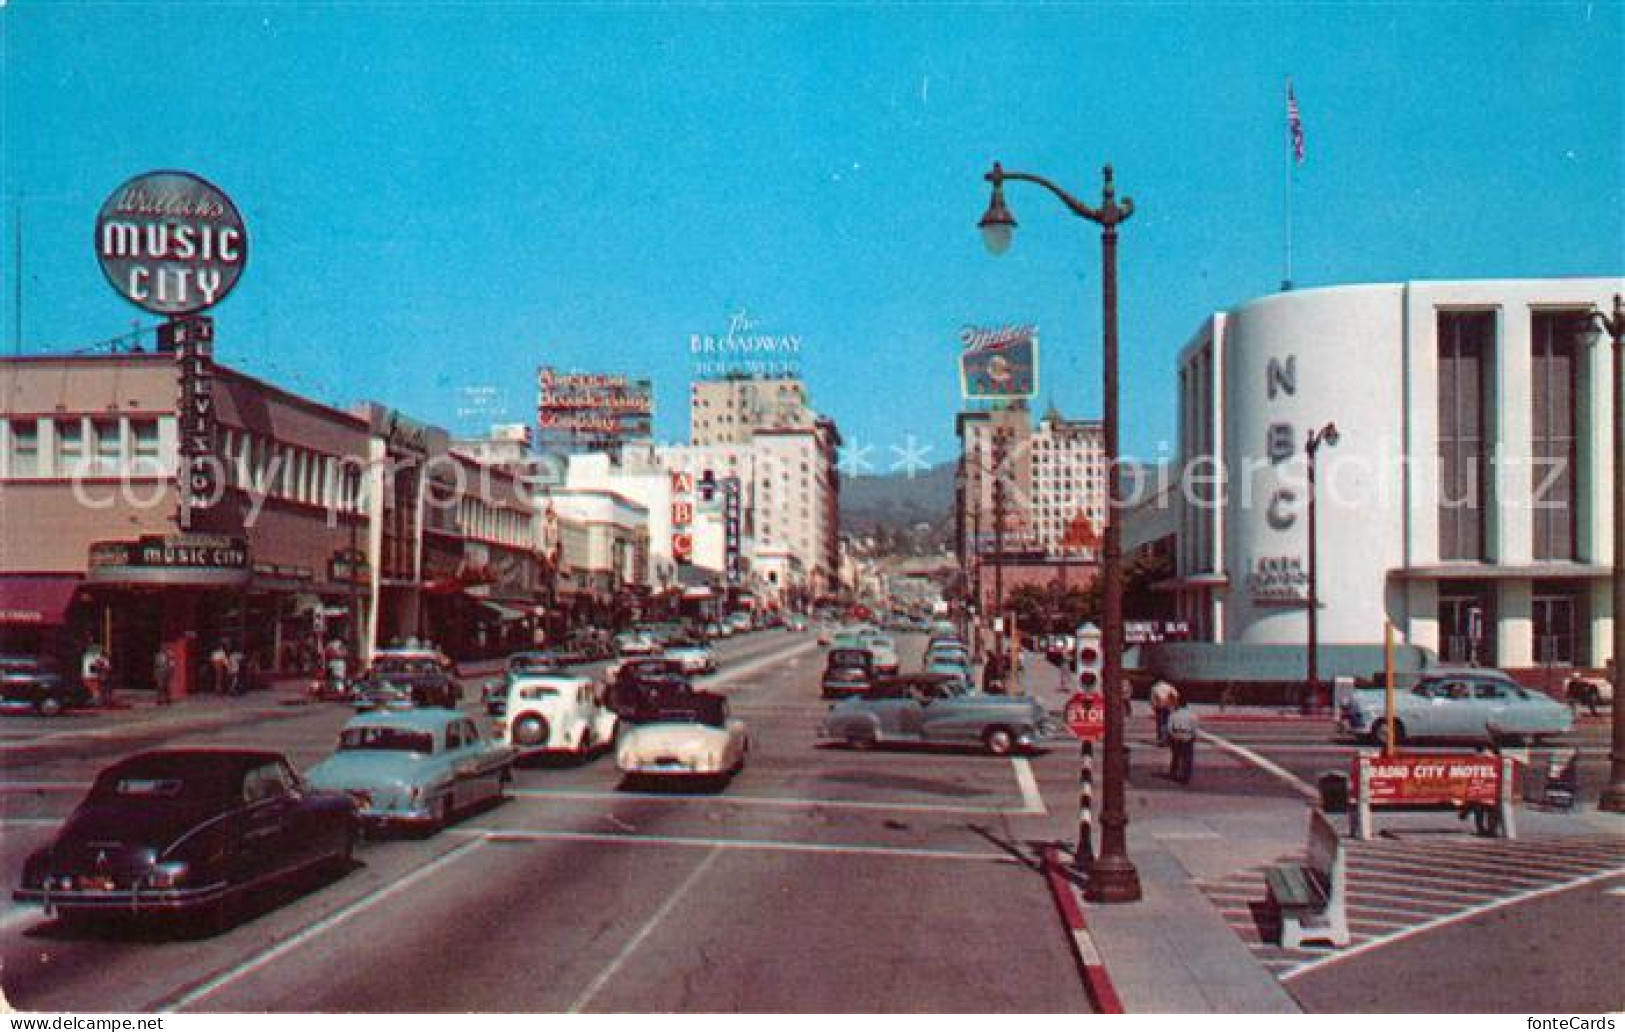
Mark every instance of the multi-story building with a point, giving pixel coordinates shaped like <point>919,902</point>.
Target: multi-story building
<point>1031,501</point>
<point>309,521</point>
<point>1467,500</point>
<point>729,409</point>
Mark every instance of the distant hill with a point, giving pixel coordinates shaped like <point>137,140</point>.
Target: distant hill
<point>898,501</point>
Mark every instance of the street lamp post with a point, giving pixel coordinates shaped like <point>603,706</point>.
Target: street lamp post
<point>998,541</point>
<point>1325,435</point>
<point>1112,877</point>
<point>1613,797</point>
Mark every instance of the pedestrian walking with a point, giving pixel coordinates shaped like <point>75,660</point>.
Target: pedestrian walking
<point>1164,698</point>
<point>234,671</point>
<point>163,674</point>
<point>91,672</point>
<point>219,663</point>
<point>1182,742</point>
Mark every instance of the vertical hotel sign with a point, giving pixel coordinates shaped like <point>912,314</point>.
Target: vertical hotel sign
<point>734,567</point>
<point>174,244</point>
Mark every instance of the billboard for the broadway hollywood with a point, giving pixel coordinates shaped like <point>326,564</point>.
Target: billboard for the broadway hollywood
<point>998,363</point>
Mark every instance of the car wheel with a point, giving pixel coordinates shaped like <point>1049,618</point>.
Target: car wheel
<point>999,741</point>
<point>49,706</point>
<point>1400,737</point>
<point>345,857</point>
<point>530,730</point>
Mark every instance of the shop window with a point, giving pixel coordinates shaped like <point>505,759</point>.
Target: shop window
<point>109,445</point>
<point>24,448</point>
<point>1559,622</point>
<point>70,446</point>
<point>144,445</point>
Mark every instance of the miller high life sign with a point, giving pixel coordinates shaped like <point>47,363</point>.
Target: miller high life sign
<point>998,363</point>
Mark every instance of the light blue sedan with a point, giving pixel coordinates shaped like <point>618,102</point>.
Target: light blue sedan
<point>1474,705</point>
<point>415,768</point>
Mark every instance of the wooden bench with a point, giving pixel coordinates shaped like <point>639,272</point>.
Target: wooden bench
<point>1312,897</point>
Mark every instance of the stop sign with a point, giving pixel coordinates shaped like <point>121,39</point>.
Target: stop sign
<point>1086,716</point>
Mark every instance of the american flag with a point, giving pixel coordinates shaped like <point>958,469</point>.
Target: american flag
<point>1294,123</point>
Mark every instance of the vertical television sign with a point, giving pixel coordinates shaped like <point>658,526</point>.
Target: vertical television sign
<point>731,531</point>
<point>198,472</point>
<point>682,516</point>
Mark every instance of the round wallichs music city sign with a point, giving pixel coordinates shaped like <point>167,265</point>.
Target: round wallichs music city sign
<point>171,242</point>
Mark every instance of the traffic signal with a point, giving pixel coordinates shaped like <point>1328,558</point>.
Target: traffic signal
<point>1091,659</point>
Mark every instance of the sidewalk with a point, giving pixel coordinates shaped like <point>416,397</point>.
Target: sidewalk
<point>1172,952</point>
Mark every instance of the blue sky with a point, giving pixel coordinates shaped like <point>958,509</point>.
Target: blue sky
<point>444,196</point>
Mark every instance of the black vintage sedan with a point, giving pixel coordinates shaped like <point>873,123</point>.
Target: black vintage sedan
<point>184,830</point>
<point>38,682</point>
<point>397,681</point>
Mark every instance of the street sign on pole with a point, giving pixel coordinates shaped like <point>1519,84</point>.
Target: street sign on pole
<point>1085,716</point>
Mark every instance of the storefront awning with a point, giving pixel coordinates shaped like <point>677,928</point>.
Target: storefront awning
<point>36,601</point>
<point>505,612</point>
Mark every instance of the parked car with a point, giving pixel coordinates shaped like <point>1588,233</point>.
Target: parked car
<point>635,678</point>
<point>405,681</point>
<point>38,682</point>
<point>884,649</point>
<point>187,830</point>
<point>695,657</point>
<point>636,643</point>
<point>936,708</point>
<point>423,652</point>
<point>682,734</point>
<point>795,622</point>
<point>1471,705</point>
<point>557,713</point>
<point>414,768</point>
<point>740,622</point>
<point>847,672</point>
<point>494,695</point>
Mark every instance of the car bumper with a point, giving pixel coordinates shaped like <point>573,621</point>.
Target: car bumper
<point>130,901</point>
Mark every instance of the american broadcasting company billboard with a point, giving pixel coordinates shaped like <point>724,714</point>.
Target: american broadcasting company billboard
<point>998,363</point>
<point>591,411</point>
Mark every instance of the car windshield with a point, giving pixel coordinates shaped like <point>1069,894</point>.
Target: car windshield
<point>387,739</point>
<point>399,667</point>
<point>678,707</point>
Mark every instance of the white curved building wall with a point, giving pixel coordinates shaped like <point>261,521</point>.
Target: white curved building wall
<point>1254,381</point>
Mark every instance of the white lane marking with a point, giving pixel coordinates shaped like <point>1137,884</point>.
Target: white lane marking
<point>648,928</point>
<point>1300,786</point>
<point>310,932</point>
<point>30,822</point>
<point>773,801</point>
<point>731,674</point>
<point>767,845</point>
<point>1444,922</point>
<point>16,917</point>
<point>1032,799</point>
<point>1617,890</point>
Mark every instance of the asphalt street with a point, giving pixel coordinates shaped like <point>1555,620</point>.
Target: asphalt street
<point>820,879</point>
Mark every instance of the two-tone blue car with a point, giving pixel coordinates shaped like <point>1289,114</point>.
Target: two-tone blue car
<point>415,768</point>
<point>1469,705</point>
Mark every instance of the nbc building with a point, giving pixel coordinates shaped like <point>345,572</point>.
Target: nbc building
<point>1466,499</point>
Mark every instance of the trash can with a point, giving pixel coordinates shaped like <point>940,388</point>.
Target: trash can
<point>1334,792</point>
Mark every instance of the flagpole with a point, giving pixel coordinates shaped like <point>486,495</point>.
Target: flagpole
<point>1286,282</point>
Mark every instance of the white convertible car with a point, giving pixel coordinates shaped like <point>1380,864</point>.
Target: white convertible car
<point>682,733</point>
<point>557,713</point>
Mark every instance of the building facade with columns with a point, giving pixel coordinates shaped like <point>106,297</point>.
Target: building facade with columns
<point>1467,499</point>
